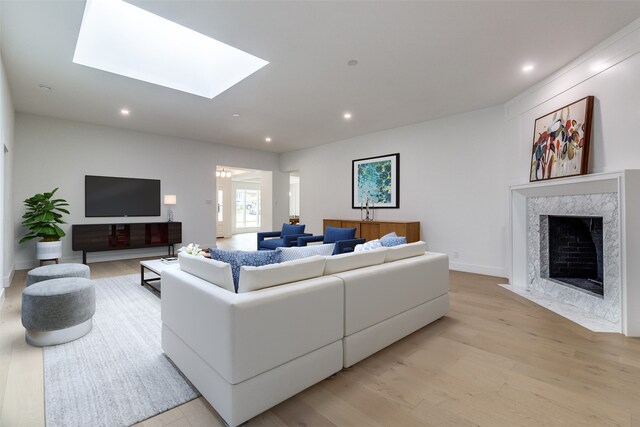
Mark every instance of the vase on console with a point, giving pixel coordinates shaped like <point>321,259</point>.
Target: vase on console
<point>367,210</point>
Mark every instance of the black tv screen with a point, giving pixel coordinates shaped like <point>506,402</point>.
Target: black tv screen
<point>112,196</point>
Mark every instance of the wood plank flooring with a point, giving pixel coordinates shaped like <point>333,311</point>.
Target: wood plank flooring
<point>495,360</point>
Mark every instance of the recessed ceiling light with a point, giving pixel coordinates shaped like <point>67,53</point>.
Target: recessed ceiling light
<point>268,139</point>
<point>125,112</point>
<point>352,62</point>
<point>236,115</point>
<point>527,68</point>
<point>347,116</point>
<point>120,38</point>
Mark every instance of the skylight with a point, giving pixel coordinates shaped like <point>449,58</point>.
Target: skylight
<point>120,38</point>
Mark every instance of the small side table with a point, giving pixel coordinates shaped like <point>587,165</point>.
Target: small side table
<point>156,267</point>
<point>42,261</point>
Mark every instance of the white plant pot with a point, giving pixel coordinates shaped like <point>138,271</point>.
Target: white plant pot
<point>48,250</point>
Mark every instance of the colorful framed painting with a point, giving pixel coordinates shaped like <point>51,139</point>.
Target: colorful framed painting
<point>376,179</point>
<point>561,142</point>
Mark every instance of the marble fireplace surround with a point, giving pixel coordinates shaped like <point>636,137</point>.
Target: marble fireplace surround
<point>602,204</point>
<point>615,196</point>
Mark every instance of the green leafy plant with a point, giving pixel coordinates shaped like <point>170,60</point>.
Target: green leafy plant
<point>43,216</point>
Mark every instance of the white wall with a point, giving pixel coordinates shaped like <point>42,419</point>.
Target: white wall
<point>611,73</point>
<point>6,166</point>
<point>451,180</point>
<point>266,201</point>
<point>53,153</point>
<point>294,198</point>
<point>280,207</point>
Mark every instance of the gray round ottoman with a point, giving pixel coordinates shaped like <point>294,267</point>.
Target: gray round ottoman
<point>58,310</point>
<point>56,271</point>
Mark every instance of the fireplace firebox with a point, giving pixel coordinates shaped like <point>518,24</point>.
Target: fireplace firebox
<point>575,250</point>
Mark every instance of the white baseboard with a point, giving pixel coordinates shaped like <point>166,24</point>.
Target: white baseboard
<point>479,269</point>
<point>6,281</point>
<point>100,257</point>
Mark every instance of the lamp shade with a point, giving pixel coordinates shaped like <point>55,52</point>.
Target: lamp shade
<point>170,199</point>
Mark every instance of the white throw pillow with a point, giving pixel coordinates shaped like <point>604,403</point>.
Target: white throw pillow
<point>406,251</point>
<point>216,272</point>
<point>367,246</point>
<point>299,252</point>
<point>351,261</point>
<point>254,278</point>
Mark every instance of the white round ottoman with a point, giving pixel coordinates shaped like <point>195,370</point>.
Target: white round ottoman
<point>56,271</point>
<point>58,310</point>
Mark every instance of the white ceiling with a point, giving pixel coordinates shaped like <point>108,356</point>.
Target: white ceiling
<point>417,61</point>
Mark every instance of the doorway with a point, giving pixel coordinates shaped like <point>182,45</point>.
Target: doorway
<point>243,199</point>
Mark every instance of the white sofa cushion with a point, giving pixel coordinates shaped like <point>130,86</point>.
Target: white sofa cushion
<point>380,292</point>
<point>299,252</point>
<point>405,251</point>
<point>216,272</point>
<point>246,334</point>
<point>255,278</point>
<point>354,260</point>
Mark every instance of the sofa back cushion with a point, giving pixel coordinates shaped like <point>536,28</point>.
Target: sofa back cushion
<point>351,261</point>
<point>299,252</point>
<point>405,251</point>
<point>289,229</point>
<point>216,272</point>
<point>239,258</point>
<point>333,234</point>
<point>255,278</point>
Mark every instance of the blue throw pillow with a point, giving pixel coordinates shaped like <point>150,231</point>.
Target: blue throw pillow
<point>392,241</point>
<point>239,258</point>
<point>288,229</point>
<point>333,234</point>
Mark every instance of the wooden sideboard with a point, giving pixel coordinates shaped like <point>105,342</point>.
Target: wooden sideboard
<point>371,230</point>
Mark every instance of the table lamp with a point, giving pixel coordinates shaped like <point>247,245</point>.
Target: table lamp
<point>169,200</point>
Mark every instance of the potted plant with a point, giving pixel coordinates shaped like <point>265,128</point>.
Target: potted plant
<point>42,218</point>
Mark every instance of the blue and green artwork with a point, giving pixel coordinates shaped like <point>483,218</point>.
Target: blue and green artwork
<point>374,180</point>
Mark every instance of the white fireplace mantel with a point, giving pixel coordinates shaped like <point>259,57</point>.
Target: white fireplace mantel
<point>626,184</point>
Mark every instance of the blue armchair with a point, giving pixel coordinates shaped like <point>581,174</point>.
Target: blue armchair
<point>344,238</point>
<point>270,240</point>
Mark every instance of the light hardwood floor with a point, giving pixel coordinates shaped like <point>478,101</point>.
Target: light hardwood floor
<point>495,360</point>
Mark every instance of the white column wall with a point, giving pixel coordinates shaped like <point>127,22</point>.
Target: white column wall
<point>7,116</point>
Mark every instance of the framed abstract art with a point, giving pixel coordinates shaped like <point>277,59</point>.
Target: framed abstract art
<point>378,179</point>
<point>561,142</point>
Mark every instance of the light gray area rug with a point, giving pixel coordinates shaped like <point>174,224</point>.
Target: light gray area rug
<point>116,375</point>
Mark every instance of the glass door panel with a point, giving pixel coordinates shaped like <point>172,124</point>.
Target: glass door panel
<point>247,208</point>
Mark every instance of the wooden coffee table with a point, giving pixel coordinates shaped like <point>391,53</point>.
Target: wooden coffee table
<point>156,267</point>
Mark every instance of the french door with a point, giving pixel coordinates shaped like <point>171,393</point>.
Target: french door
<point>248,209</point>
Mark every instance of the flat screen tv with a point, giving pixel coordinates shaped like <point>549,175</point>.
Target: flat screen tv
<point>112,196</point>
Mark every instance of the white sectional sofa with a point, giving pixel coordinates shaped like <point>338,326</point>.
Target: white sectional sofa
<point>296,323</point>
